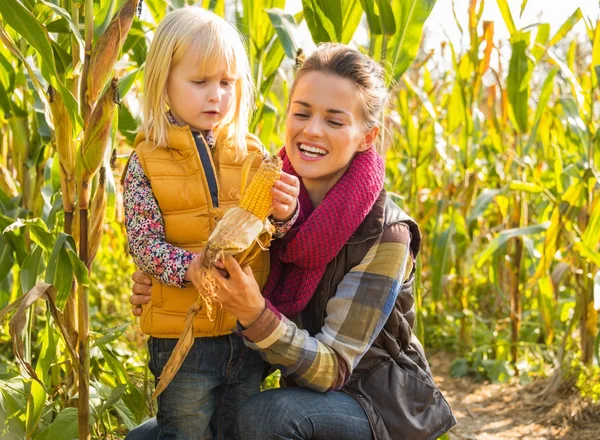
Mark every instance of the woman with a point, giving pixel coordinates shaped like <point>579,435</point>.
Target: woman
<point>336,313</point>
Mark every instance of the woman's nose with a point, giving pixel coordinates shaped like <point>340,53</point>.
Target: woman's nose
<point>314,127</point>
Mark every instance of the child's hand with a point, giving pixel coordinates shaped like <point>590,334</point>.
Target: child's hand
<point>141,292</point>
<point>285,197</point>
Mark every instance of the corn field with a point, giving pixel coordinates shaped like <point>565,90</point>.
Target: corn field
<point>494,149</point>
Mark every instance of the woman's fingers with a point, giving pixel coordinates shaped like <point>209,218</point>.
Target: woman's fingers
<point>289,179</point>
<point>233,268</point>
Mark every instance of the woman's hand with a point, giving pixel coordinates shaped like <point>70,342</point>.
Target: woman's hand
<point>285,197</point>
<point>141,292</point>
<point>238,291</point>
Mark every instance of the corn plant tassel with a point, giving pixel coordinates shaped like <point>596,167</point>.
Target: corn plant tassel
<point>243,232</point>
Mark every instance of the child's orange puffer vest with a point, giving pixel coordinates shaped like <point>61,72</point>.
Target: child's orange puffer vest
<point>181,188</point>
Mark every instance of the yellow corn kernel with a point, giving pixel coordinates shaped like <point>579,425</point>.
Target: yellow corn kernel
<point>258,199</point>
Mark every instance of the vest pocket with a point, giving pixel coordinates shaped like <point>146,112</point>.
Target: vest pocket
<point>408,406</point>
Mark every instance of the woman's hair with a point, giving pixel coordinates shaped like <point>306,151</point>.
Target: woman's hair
<point>366,74</point>
<point>215,42</point>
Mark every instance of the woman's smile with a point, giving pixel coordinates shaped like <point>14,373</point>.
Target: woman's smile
<point>311,151</point>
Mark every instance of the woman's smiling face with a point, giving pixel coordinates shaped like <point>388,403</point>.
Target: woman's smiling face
<point>325,128</point>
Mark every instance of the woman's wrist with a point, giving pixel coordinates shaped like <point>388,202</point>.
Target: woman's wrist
<point>249,318</point>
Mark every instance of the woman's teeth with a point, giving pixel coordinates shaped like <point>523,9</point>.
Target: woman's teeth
<point>310,151</point>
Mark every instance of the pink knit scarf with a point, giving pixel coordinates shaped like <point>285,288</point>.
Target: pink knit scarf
<point>299,260</point>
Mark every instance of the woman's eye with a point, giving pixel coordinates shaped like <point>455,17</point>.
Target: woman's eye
<point>301,115</point>
<point>335,123</point>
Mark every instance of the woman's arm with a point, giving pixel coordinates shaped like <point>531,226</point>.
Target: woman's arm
<point>354,318</point>
<point>146,231</point>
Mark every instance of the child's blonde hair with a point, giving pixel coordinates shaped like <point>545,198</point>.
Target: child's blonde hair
<point>217,42</point>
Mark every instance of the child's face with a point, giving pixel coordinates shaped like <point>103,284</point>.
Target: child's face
<point>324,128</point>
<point>197,100</point>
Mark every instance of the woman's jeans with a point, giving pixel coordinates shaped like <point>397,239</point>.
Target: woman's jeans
<point>218,375</point>
<point>300,413</point>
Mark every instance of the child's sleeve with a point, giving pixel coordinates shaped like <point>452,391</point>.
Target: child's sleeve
<point>146,231</point>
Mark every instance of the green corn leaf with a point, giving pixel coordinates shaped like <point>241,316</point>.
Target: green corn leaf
<point>528,187</point>
<point>541,107</point>
<point>441,254</point>
<point>566,27</point>
<point>286,28</point>
<point>32,267</point>
<point>502,238</point>
<point>38,232</point>
<point>517,83</point>
<point>60,271</point>
<point>591,235</point>
<point>113,334</point>
<point>64,426</point>
<point>352,15</point>
<point>24,22</point>
<point>507,16</point>
<point>587,252</point>
<point>324,19</point>
<point>37,396</point>
<point>410,18</point>
<point>482,202</point>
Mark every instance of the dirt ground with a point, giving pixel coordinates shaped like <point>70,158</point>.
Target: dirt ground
<point>511,411</point>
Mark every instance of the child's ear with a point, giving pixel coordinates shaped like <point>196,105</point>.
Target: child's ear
<point>369,139</point>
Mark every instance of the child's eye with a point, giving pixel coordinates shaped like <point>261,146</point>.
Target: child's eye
<point>200,81</point>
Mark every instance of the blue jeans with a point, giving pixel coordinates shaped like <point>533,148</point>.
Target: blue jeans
<point>300,413</point>
<point>218,375</point>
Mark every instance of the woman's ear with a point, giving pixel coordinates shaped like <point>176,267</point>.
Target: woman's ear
<point>369,139</point>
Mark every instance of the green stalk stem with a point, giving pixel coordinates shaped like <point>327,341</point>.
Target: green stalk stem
<point>84,348</point>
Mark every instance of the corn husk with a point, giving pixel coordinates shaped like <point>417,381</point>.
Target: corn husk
<point>95,140</point>
<point>65,146</point>
<point>240,234</point>
<point>97,213</point>
<point>106,51</point>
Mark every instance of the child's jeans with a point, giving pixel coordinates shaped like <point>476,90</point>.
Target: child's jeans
<point>218,375</point>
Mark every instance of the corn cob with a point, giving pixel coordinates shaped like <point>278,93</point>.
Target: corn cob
<point>258,198</point>
<point>95,140</point>
<point>97,212</point>
<point>243,232</point>
<point>106,51</point>
<point>63,139</point>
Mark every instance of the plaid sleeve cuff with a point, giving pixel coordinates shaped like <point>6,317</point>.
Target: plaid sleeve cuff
<point>266,330</point>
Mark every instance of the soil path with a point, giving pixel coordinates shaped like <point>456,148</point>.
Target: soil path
<point>511,411</point>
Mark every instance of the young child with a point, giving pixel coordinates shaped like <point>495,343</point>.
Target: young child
<point>185,172</point>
